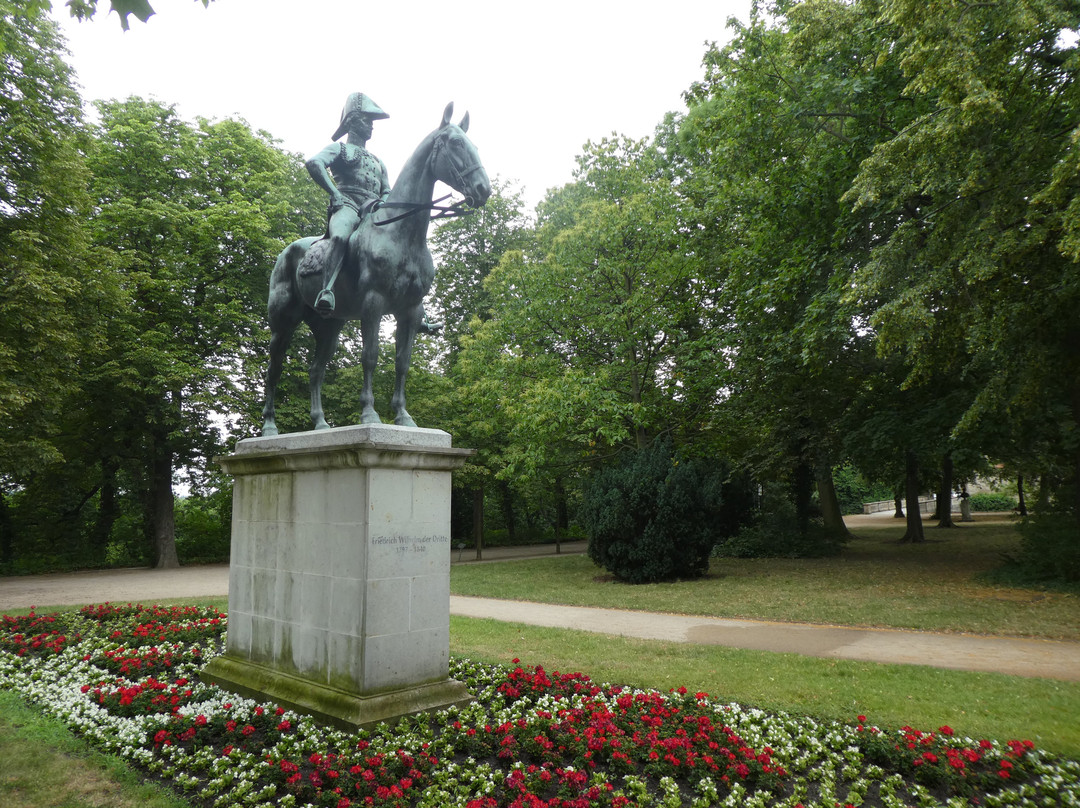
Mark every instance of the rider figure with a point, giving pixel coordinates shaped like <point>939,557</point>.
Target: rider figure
<point>359,185</point>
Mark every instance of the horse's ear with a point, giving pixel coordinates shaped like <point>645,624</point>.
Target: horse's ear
<point>464,123</point>
<point>447,113</point>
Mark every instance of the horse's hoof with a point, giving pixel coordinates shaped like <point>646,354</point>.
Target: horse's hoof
<point>404,419</point>
<point>269,430</point>
<point>370,417</point>
<point>321,425</point>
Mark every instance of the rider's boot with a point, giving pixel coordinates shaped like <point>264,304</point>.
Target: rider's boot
<point>325,302</point>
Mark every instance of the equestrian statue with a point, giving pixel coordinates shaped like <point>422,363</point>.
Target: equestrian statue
<point>373,259</point>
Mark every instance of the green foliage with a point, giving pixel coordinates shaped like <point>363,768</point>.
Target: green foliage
<point>776,533</point>
<point>776,130</point>
<point>85,9</point>
<point>1049,553</point>
<point>53,299</point>
<point>598,332</point>
<point>853,489</point>
<point>975,206</point>
<point>655,516</point>
<point>466,250</point>
<point>992,502</point>
<point>204,527</point>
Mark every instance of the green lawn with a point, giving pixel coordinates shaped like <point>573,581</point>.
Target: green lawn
<point>42,765</point>
<point>875,582</point>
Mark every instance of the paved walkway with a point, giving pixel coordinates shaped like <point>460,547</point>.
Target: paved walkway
<point>1019,657</point>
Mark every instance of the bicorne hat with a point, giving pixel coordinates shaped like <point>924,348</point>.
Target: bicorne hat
<point>358,104</point>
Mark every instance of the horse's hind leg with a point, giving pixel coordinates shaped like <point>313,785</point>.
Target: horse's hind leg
<point>326,341</point>
<point>284,310</point>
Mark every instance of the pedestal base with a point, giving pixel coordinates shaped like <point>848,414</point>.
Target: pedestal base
<point>339,574</point>
<point>340,708</point>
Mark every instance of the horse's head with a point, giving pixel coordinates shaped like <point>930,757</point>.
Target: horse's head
<point>456,161</point>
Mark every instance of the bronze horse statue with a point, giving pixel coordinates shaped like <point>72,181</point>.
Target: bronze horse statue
<point>388,271</point>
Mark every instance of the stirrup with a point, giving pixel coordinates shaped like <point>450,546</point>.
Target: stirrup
<point>325,303</point>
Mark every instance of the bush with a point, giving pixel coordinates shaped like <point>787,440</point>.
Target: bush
<point>853,489</point>
<point>1049,549</point>
<point>656,516</point>
<point>203,527</point>
<point>775,533</point>
<point>992,502</point>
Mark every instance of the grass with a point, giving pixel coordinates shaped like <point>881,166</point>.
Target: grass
<point>43,764</point>
<point>936,586</point>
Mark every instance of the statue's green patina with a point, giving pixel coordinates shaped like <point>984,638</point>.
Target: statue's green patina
<point>373,260</point>
<point>359,183</point>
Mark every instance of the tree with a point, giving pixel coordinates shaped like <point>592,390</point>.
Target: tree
<point>775,133</point>
<point>85,9</point>
<point>975,203</point>
<point>192,217</point>
<point>596,325</point>
<point>466,250</point>
<point>53,299</point>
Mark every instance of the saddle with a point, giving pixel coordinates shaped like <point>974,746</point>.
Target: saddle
<point>314,260</point>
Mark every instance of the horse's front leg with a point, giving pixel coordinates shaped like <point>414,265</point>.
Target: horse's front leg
<point>369,358</point>
<point>326,342</point>
<point>407,325</point>
<point>279,344</point>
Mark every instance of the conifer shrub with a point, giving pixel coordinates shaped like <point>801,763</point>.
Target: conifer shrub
<point>656,515</point>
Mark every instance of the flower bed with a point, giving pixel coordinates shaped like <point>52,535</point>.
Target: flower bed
<point>127,678</point>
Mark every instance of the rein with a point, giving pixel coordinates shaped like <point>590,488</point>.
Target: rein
<point>441,211</point>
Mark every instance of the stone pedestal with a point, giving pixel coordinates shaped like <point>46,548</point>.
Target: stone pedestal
<point>339,579</point>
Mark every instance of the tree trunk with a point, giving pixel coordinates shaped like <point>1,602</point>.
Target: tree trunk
<point>830,505</point>
<point>803,488</point>
<point>7,533</point>
<point>478,520</point>
<point>108,507</point>
<point>1042,504</point>
<point>1021,505</point>
<point>944,496</point>
<point>911,489</point>
<point>1076,451</point>
<point>898,505</point>
<point>562,519</point>
<point>162,514</point>
<point>509,516</point>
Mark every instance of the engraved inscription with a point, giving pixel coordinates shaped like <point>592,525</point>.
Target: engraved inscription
<point>409,545</point>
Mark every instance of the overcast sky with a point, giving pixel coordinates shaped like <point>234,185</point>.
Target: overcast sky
<point>539,79</point>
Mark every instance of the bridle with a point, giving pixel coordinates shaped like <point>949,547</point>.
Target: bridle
<point>457,175</point>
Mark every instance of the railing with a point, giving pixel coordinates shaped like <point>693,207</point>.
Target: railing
<point>927,504</point>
